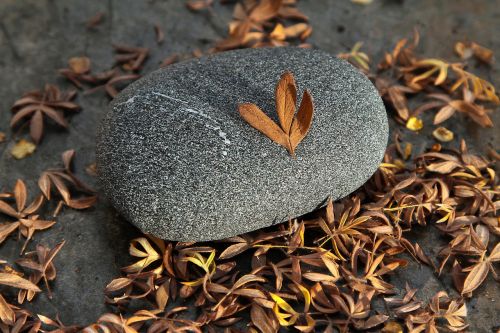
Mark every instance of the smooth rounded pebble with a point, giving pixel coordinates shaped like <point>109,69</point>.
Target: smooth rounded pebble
<point>175,158</point>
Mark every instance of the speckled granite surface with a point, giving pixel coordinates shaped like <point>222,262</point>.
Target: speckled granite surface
<point>176,159</point>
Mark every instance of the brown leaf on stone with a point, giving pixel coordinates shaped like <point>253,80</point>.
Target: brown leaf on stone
<point>286,99</point>
<point>294,127</point>
<point>261,122</point>
<point>302,122</point>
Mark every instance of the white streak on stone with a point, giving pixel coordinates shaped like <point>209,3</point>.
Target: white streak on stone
<point>222,134</point>
<point>128,101</point>
<point>169,97</point>
<point>200,113</point>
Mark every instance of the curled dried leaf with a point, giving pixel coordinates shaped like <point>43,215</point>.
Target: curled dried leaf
<point>443,134</point>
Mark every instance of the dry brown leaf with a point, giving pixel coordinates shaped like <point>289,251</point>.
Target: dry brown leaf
<point>468,49</point>
<point>303,121</point>
<point>79,65</point>
<point>196,5</point>
<point>286,99</point>
<point>41,104</point>
<point>443,114</point>
<point>265,10</point>
<point>475,277</point>
<point>234,250</point>
<point>16,281</point>
<point>162,295</point>
<point>293,128</point>
<point>362,2</point>
<point>357,58</point>
<point>262,320</point>
<point>160,35</point>
<point>95,20</point>
<point>261,122</point>
<point>169,60</point>
<point>392,327</point>
<point>443,167</point>
<point>7,315</point>
<point>399,102</point>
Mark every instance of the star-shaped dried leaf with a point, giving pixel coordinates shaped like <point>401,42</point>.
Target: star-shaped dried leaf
<point>448,106</point>
<point>356,57</point>
<point>129,57</point>
<point>36,105</point>
<point>29,225</point>
<point>62,180</point>
<point>41,262</point>
<point>20,211</point>
<point>478,272</point>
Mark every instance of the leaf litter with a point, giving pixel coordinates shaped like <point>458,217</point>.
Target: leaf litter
<point>325,271</point>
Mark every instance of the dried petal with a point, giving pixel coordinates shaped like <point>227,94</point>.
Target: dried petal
<point>414,124</point>
<point>443,134</point>
<point>22,149</point>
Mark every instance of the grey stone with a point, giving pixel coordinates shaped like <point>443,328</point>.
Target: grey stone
<point>175,158</point>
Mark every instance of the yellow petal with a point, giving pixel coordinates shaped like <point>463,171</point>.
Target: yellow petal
<point>414,124</point>
<point>22,149</point>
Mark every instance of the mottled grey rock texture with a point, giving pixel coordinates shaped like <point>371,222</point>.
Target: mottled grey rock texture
<point>176,159</point>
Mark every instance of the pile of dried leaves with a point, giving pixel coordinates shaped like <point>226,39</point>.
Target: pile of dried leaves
<point>24,216</point>
<point>261,23</point>
<point>328,271</point>
<point>448,87</point>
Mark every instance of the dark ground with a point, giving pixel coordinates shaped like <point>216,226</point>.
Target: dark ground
<point>38,36</point>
